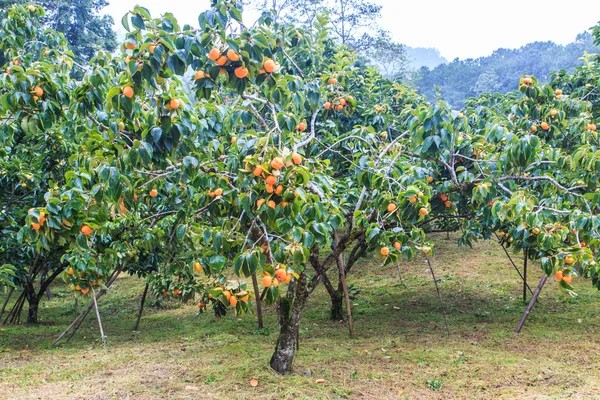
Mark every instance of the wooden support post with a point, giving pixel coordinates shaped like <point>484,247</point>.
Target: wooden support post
<point>8,296</point>
<point>525,276</point>
<point>139,316</point>
<point>437,288</point>
<point>99,319</point>
<point>340,264</point>
<point>531,303</point>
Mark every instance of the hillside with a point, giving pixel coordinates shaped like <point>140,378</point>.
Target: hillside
<point>500,71</point>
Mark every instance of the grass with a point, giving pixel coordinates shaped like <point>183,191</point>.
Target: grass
<point>400,349</point>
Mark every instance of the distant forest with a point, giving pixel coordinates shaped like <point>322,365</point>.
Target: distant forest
<point>500,72</point>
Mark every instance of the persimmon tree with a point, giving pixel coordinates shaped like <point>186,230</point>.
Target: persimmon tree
<point>232,166</point>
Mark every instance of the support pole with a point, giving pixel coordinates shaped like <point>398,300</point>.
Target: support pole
<point>439,294</point>
<point>525,256</point>
<point>99,319</point>
<point>340,264</point>
<point>79,320</point>
<point>8,296</point>
<point>139,316</point>
<point>515,266</point>
<point>531,303</point>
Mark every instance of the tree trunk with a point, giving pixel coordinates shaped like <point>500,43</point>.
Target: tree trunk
<point>282,358</point>
<point>337,305</point>
<point>259,314</point>
<point>34,304</point>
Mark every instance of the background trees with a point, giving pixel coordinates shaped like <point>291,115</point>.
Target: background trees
<point>85,30</point>
<point>461,79</point>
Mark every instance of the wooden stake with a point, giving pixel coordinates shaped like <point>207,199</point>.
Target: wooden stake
<point>139,316</point>
<point>79,320</point>
<point>99,319</point>
<point>340,264</point>
<point>525,276</point>
<point>531,303</point>
<point>439,295</point>
<point>8,296</point>
<point>515,266</point>
<point>400,275</point>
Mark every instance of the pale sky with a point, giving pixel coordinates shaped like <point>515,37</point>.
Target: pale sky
<point>458,28</point>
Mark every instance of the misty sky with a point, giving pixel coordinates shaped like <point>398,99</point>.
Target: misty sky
<point>458,28</point>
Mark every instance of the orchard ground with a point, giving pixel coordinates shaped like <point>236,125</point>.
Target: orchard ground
<point>400,348</point>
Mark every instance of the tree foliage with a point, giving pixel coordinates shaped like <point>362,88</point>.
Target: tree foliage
<point>81,23</point>
<point>283,157</point>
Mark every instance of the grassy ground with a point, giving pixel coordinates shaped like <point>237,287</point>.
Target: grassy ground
<point>400,349</point>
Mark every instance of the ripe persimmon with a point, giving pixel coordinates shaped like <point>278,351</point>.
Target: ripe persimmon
<point>327,105</point>
<point>269,66</point>
<point>443,197</point>
<point>569,260</point>
<point>384,251</point>
<point>241,72</point>
<point>267,280</point>
<point>301,127</point>
<point>214,54</point>
<point>271,180</point>
<point>559,275</point>
<point>277,163</point>
<point>198,266</point>
<point>128,91</point>
<point>397,245</point>
<point>412,199</point>
<point>567,279</point>
<point>200,75</point>
<point>391,207</point>
<point>153,193</point>
<point>39,92</point>
<point>280,274</point>
<point>296,158</point>
<point>545,126</point>
<point>423,211</point>
<point>232,55</point>
<point>233,301</point>
<point>258,170</point>
<point>86,230</point>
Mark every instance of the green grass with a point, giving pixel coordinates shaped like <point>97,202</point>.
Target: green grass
<point>400,349</point>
